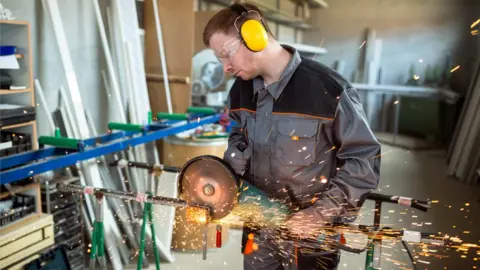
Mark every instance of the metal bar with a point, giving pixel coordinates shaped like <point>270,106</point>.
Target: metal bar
<point>15,160</point>
<point>47,195</point>
<point>167,201</point>
<point>163,60</point>
<point>9,176</point>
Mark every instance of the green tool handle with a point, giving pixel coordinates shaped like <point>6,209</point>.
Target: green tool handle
<point>172,116</point>
<point>369,258</point>
<point>201,110</point>
<point>146,209</point>
<point>100,240</point>
<point>152,228</point>
<point>125,127</point>
<point>59,142</point>
<point>93,251</point>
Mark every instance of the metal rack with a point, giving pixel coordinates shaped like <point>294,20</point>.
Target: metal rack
<point>13,168</point>
<point>66,210</point>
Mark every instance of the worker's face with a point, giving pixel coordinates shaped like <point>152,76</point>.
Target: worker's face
<point>235,57</point>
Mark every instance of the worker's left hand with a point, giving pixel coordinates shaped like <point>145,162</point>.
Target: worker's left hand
<point>305,223</point>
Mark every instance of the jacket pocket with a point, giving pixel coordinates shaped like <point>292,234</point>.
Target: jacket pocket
<point>296,139</point>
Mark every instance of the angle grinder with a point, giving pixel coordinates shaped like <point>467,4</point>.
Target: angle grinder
<point>209,180</point>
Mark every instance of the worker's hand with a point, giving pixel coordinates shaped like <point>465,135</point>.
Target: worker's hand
<point>238,158</point>
<point>305,224</point>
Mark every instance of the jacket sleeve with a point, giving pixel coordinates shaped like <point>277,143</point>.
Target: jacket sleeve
<point>358,162</point>
<point>236,154</point>
<point>237,134</point>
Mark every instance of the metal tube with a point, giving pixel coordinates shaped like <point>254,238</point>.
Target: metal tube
<point>204,242</point>
<point>47,195</point>
<point>129,196</point>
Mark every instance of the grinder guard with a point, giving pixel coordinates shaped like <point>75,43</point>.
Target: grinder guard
<point>211,181</point>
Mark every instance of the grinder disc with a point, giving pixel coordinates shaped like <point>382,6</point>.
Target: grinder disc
<point>208,180</point>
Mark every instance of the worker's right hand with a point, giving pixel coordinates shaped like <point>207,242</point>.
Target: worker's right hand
<point>238,157</point>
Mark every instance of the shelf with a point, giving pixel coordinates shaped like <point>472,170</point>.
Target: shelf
<point>313,3</point>
<point>14,22</point>
<point>308,49</point>
<point>10,92</point>
<point>272,14</point>
<point>26,124</point>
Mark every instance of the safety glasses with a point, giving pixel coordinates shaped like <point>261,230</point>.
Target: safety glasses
<point>228,50</point>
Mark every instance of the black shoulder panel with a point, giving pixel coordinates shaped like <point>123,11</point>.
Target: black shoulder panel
<point>241,95</point>
<point>314,90</point>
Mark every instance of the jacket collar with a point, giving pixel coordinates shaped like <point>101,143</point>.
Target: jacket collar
<point>275,89</point>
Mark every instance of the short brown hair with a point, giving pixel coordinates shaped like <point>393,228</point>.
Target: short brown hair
<point>224,21</point>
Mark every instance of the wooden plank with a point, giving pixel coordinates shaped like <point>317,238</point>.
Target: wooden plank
<point>21,265</point>
<point>21,243</point>
<point>171,78</point>
<point>14,22</point>
<point>27,252</point>
<point>17,125</point>
<point>179,94</point>
<point>179,50</point>
<point>42,220</point>
<point>201,20</point>
<point>9,92</point>
<point>19,223</point>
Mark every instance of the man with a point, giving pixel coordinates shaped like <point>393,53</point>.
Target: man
<point>302,136</point>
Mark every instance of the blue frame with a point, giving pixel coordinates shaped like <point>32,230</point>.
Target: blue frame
<point>92,149</point>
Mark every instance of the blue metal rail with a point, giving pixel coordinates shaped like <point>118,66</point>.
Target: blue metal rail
<point>15,167</point>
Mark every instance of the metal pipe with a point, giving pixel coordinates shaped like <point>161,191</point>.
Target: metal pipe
<point>163,60</point>
<point>129,196</point>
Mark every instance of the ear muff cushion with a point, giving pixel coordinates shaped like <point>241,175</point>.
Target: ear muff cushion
<point>254,35</point>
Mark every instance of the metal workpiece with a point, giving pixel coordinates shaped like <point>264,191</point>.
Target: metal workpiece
<point>130,196</point>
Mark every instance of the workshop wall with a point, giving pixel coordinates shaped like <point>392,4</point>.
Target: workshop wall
<point>411,30</point>
<point>85,50</point>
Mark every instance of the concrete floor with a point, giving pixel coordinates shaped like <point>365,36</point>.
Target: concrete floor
<point>418,174</point>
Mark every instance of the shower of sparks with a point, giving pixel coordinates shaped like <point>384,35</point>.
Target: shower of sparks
<point>331,149</point>
<point>382,154</point>
<point>475,23</point>
<point>320,45</point>
<point>455,69</point>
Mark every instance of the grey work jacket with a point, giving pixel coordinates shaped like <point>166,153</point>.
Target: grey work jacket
<point>306,136</point>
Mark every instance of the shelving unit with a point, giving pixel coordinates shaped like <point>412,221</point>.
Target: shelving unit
<point>18,33</point>
<point>273,11</point>
<point>20,241</point>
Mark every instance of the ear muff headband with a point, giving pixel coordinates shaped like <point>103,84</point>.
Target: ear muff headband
<point>252,33</point>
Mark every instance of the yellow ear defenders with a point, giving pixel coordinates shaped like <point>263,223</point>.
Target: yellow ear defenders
<point>252,33</point>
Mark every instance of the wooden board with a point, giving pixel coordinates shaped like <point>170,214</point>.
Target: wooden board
<point>201,20</point>
<point>177,22</point>
<point>26,240</point>
<point>180,94</point>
